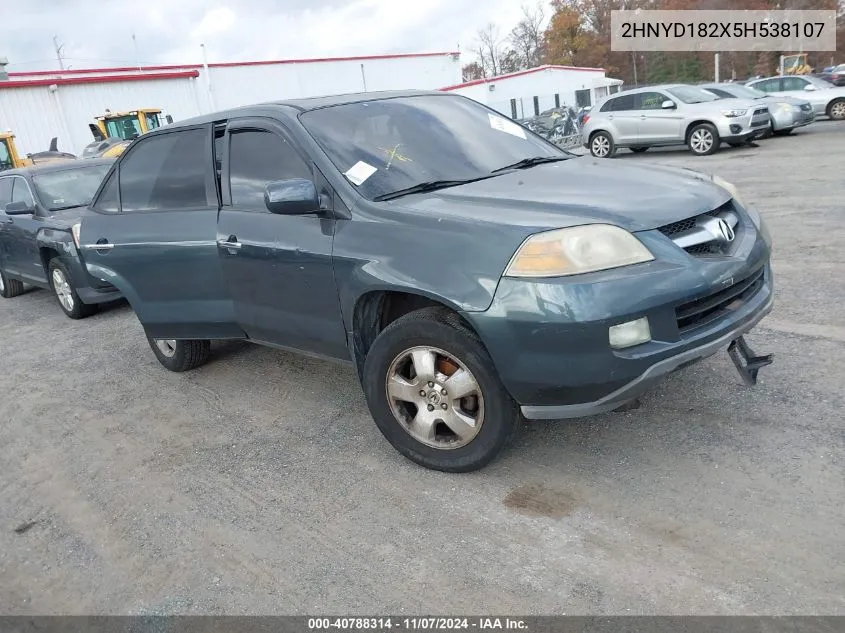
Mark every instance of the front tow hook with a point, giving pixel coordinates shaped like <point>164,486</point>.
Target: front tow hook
<point>747,363</point>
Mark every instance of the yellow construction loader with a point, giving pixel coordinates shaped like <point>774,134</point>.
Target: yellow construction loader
<point>796,65</point>
<point>114,131</point>
<point>10,158</point>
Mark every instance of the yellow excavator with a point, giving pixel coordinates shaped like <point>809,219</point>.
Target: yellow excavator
<point>114,131</point>
<point>796,65</point>
<point>10,158</point>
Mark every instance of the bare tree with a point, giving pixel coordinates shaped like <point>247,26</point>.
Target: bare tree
<point>527,37</point>
<point>489,49</point>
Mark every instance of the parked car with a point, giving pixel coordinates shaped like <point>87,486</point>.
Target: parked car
<point>470,270</point>
<point>786,114</point>
<point>827,99</point>
<point>40,207</point>
<point>675,114</point>
<point>834,74</point>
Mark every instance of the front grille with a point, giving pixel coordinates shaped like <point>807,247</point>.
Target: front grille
<point>691,233</point>
<point>698,313</point>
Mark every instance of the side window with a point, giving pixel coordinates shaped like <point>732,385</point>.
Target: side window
<point>768,85</point>
<point>21,192</point>
<point>608,105</point>
<point>794,83</point>
<point>719,93</point>
<point>5,192</point>
<point>649,100</point>
<point>256,158</point>
<point>108,201</point>
<point>167,171</point>
<point>625,102</point>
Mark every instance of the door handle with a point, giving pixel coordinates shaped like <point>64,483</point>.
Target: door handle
<point>230,243</point>
<point>102,245</point>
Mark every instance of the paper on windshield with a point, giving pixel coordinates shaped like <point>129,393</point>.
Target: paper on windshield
<point>359,172</point>
<point>503,125</point>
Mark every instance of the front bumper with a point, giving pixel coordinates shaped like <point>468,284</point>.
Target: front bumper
<point>788,120</point>
<point>548,338</point>
<point>743,128</point>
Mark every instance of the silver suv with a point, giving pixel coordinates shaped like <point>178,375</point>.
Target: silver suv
<point>674,114</point>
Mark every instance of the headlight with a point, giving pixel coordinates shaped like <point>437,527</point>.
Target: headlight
<point>787,107</point>
<point>734,113</point>
<point>74,231</point>
<point>730,188</point>
<point>577,250</point>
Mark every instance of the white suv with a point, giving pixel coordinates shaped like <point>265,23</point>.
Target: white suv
<point>674,114</point>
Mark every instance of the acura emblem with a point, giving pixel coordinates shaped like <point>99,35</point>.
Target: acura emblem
<point>726,232</point>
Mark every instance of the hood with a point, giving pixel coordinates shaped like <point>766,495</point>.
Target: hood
<point>784,99</point>
<point>579,191</point>
<point>731,103</point>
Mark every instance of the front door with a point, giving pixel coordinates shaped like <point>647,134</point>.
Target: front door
<point>278,268</point>
<point>25,258</point>
<point>156,240</point>
<point>657,124</point>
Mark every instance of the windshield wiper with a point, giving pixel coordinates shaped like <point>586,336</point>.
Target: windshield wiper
<point>530,162</point>
<point>71,206</point>
<point>431,185</point>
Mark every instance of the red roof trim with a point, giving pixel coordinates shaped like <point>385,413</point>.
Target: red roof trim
<point>97,79</point>
<point>488,80</point>
<point>134,69</point>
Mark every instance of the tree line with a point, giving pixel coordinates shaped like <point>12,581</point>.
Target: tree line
<point>577,33</point>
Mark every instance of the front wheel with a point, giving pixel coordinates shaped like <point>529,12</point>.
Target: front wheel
<point>435,395</point>
<point>703,139</point>
<point>65,293</point>
<point>602,145</point>
<point>178,355</point>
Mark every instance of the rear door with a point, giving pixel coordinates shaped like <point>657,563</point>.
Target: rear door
<point>25,260</point>
<point>625,119</point>
<point>154,236</point>
<point>278,267</point>
<point>656,124</point>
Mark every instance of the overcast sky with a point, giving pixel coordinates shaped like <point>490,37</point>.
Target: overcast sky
<point>99,33</point>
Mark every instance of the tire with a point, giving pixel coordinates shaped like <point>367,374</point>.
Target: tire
<point>180,356</point>
<point>698,136</point>
<point>602,145</point>
<point>439,337</point>
<point>9,287</point>
<point>768,132</point>
<point>836,109</point>
<point>786,132</point>
<point>65,293</point>
<point>639,150</point>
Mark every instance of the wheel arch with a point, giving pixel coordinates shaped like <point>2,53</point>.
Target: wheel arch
<point>694,123</point>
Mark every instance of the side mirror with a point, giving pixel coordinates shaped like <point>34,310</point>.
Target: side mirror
<point>169,119</point>
<point>296,196</point>
<point>668,105</point>
<point>19,208</point>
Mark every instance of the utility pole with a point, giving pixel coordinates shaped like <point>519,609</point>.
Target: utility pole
<point>137,58</point>
<point>59,48</point>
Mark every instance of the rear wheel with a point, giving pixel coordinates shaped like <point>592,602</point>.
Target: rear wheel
<point>836,110</point>
<point>65,293</point>
<point>9,287</point>
<point>435,395</point>
<point>703,139</point>
<point>178,355</point>
<point>602,145</point>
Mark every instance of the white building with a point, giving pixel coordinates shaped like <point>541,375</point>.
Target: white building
<point>528,92</point>
<point>37,106</point>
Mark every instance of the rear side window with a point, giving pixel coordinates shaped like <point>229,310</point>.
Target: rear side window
<point>256,158</point>
<point>617,104</point>
<point>5,192</point>
<point>768,85</point>
<point>165,172</point>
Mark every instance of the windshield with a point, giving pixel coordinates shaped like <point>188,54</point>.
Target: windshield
<point>125,127</point>
<point>70,187</point>
<point>5,156</point>
<point>691,94</point>
<point>152,120</point>
<point>389,145</point>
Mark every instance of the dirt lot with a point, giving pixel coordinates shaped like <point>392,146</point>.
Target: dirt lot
<point>259,483</point>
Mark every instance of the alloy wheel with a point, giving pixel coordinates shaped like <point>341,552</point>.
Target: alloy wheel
<point>837,111</point>
<point>435,397</point>
<point>166,346</point>
<point>701,141</point>
<point>63,290</point>
<point>601,146</point>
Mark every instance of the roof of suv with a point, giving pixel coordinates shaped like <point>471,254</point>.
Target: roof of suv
<point>301,105</point>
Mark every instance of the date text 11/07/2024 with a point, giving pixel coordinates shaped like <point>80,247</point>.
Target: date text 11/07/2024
<point>415,624</point>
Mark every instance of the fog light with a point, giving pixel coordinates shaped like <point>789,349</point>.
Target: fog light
<point>630,333</point>
<point>736,129</point>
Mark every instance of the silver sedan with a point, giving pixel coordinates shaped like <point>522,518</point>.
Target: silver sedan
<point>786,113</point>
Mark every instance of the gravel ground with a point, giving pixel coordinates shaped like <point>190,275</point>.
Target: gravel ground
<point>259,484</point>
